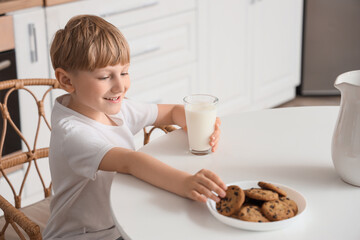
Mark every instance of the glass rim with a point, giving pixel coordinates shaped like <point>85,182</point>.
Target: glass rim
<point>215,99</point>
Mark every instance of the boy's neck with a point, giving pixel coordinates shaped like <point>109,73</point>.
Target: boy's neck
<point>101,117</point>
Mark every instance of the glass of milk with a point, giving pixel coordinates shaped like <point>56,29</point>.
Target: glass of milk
<point>200,112</point>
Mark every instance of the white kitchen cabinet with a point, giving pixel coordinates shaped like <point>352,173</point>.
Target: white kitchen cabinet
<point>275,30</point>
<point>223,53</point>
<point>161,44</point>
<point>250,52</point>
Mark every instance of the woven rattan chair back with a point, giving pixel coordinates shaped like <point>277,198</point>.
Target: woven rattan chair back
<point>28,157</point>
<point>165,128</point>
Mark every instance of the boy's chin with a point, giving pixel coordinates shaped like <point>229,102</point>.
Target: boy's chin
<point>113,111</point>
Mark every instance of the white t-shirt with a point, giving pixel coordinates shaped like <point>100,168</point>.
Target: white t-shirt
<point>80,208</point>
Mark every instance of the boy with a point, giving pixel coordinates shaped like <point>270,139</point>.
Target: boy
<point>92,130</point>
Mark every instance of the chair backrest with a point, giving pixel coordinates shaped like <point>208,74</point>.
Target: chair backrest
<point>30,153</point>
<point>165,128</point>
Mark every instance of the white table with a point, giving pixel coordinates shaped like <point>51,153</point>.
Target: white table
<point>291,146</point>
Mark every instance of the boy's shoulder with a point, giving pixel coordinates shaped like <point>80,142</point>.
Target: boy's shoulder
<point>71,122</point>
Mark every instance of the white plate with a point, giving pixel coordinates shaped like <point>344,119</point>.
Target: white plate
<point>263,226</point>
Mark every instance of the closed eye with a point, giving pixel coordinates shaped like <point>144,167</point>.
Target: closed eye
<point>123,74</point>
<point>104,78</point>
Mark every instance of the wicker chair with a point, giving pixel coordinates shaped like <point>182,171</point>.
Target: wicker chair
<point>27,222</point>
<point>165,128</point>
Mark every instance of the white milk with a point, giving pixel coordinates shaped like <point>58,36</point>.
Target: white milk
<point>200,121</point>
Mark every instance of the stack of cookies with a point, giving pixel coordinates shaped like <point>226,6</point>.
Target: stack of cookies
<point>264,204</point>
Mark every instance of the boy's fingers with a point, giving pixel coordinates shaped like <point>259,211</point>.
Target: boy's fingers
<point>204,190</point>
<point>217,122</point>
<point>208,187</point>
<point>197,196</point>
<point>214,142</point>
<point>214,138</point>
<point>213,149</point>
<point>215,135</point>
<point>217,126</point>
<point>218,185</point>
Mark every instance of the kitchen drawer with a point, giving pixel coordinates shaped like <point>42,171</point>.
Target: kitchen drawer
<point>161,44</point>
<point>124,13</point>
<point>167,87</point>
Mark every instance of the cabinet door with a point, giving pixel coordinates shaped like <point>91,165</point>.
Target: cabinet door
<point>275,29</point>
<point>222,52</point>
<point>30,43</point>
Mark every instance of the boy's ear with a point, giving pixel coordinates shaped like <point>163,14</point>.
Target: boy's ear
<point>64,79</point>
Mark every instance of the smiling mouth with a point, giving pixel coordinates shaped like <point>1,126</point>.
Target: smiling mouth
<point>113,99</point>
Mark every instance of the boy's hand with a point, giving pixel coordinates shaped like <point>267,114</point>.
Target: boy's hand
<point>214,139</point>
<point>204,184</point>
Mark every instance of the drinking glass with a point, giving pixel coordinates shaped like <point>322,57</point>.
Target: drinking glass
<point>200,112</point>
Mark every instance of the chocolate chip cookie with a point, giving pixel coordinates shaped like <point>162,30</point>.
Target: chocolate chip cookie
<point>232,202</point>
<point>277,210</point>
<point>291,204</point>
<point>251,213</point>
<point>272,187</point>
<point>261,194</point>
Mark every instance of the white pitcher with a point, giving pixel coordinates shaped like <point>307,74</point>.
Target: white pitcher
<point>345,147</point>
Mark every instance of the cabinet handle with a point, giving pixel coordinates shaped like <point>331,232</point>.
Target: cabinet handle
<point>5,64</point>
<point>146,51</point>
<point>33,45</point>
<point>137,7</point>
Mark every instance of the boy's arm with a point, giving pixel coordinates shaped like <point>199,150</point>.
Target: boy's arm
<point>169,114</point>
<point>198,187</point>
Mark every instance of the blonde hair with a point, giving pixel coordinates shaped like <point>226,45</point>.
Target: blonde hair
<point>88,42</point>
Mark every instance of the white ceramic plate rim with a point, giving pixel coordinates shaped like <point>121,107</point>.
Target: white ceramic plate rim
<point>263,226</point>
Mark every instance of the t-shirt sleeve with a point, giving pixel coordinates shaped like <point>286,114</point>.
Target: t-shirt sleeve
<point>138,115</point>
<point>84,151</point>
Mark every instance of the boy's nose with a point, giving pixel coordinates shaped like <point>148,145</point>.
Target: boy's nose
<point>118,86</point>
